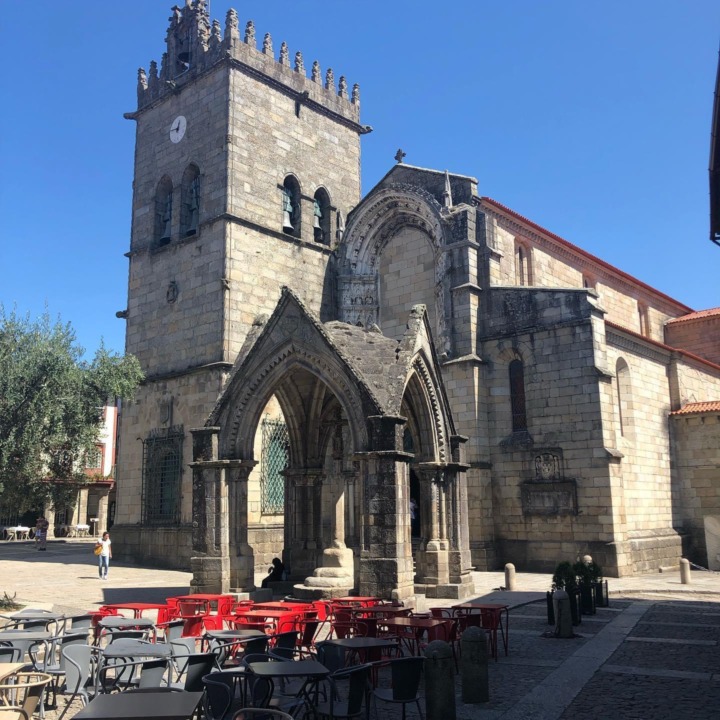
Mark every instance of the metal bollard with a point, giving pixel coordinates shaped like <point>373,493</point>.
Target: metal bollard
<point>684,571</point>
<point>509,576</point>
<point>474,666</point>
<point>439,682</point>
<point>563,618</point>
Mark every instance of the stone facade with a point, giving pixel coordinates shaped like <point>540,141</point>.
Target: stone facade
<point>527,408</point>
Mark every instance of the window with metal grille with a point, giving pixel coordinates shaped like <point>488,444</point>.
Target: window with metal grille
<point>162,473</point>
<point>274,459</point>
<point>517,395</point>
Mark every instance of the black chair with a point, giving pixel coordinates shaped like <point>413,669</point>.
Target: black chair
<point>222,699</point>
<point>261,714</point>
<point>8,653</point>
<point>356,704</point>
<point>405,683</point>
<point>198,666</point>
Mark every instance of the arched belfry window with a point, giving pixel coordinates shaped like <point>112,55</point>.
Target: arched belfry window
<point>190,202</point>
<point>321,217</point>
<point>523,265</point>
<point>517,395</point>
<point>163,211</point>
<point>291,206</point>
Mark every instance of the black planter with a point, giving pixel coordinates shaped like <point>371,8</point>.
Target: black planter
<point>587,598</point>
<point>575,606</point>
<point>600,588</point>
<point>550,608</point>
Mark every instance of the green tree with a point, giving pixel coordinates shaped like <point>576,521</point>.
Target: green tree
<point>50,407</point>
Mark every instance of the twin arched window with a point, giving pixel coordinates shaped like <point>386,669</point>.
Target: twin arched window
<point>189,206</point>
<point>292,211</point>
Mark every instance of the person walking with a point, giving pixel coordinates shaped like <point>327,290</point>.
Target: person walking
<point>105,546</point>
<point>41,530</point>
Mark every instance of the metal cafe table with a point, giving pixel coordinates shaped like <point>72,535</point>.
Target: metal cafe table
<point>137,608</point>
<point>117,622</point>
<point>365,649</point>
<point>138,705</point>
<point>418,625</point>
<point>311,670</point>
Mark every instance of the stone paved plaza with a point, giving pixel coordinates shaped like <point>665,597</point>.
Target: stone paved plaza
<point>652,654</point>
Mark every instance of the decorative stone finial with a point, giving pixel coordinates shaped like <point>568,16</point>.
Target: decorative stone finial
<point>316,72</point>
<point>399,155</point>
<point>153,83</point>
<point>342,87</point>
<point>142,85</point>
<point>164,67</point>
<point>215,34</point>
<point>447,193</point>
<point>250,33</point>
<point>231,26</point>
<point>267,44</point>
<point>284,55</point>
<point>299,64</point>
<point>356,94</point>
<point>330,80</point>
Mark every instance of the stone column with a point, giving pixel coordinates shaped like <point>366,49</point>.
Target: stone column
<point>435,561</point>
<point>459,554</point>
<point>302,521</point>
<point>209,562</point>
<point>242,558</point>
<point>386,567</point>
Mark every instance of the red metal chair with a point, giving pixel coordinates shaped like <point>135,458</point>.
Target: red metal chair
<point>193,612</point>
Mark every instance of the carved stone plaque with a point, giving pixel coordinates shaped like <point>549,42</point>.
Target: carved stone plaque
<point>549,498</point>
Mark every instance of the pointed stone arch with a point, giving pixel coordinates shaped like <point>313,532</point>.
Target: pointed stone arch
<point>385,212</point>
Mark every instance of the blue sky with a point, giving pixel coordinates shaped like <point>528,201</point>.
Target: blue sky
<point>592,119</point>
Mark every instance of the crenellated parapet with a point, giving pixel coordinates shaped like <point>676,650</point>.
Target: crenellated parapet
<point>195,44</point>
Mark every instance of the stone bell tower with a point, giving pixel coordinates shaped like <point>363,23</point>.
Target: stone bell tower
<point>245,169</point>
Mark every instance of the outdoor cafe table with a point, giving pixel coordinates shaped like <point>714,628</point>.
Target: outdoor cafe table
<point>134,706</point>
<point>364,646</point>
<point>419,624</point>
<point>9,669</point>
<point>238,634</point>
<point>311,670</point>
<point>33,636</point>
<point>271,615</point>
<point>137,608</point>
<point>496,611</point>
<point>128,647</point>
<point>379,610</point>
<point>356,600</point>
<point>281,605</point>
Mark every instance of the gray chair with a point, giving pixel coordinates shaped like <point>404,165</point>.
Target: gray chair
<point>79,674</point>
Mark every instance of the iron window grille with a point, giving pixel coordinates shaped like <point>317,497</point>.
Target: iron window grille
<point>161,476</point>
<point>273,461</point>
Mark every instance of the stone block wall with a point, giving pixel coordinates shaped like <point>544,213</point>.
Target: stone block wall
<point>699,336</point>
<point>406,278</point>
<point>696,447</point>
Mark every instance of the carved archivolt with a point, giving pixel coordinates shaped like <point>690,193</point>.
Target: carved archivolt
<point>376,221</point>
<point>423,373</point>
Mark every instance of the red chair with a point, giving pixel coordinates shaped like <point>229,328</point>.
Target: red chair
<point>193,612</point>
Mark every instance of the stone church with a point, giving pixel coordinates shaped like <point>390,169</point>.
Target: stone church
<point>389,391</point>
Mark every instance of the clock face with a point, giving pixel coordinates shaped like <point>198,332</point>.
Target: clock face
<point>177,129</point>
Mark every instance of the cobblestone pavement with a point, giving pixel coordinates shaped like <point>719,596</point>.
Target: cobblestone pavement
<point>652,655</point>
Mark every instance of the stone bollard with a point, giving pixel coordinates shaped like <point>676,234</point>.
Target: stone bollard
<point>474,666</point>
<point>563,618</point>
<point>439,681</point>
<point>684,571</point>
<point>509,576</point>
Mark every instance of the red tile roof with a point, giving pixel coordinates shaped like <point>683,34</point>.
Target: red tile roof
<point>712,312</point>
<point>698,407</point>
<point>574,248</point>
